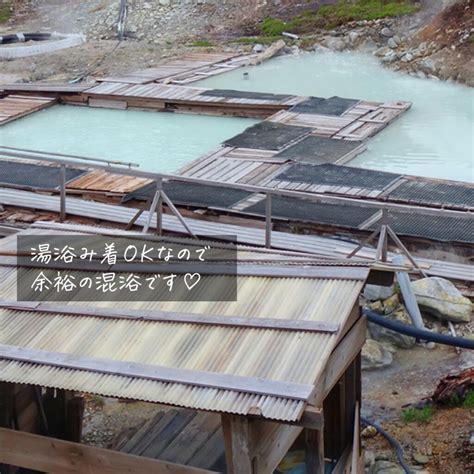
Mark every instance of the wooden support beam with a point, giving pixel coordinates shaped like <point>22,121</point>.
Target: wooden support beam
<point>173,317</point>
<point>334,410</point>
<point>53,455</point>
<point>62,193</point>
<point>342,356</point>
<point>7,409</point>
<point>268,221</point>
<point>158,373</point>
<point>270,442</point>
<point>356,454</point>
<point>178,215</point>
<point>312,418</point>
<point>314,440</point>
<point>237,445</point>
<point>153,207</point>
<point>6,404</point>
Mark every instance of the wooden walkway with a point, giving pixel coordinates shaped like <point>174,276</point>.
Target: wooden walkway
<point>188,68</point>
<point>181,436</point>
<point>105,182</point>
<point>362,121</point>
<point>160,97</point>
<point>13,107</point>
<point>310,244</point>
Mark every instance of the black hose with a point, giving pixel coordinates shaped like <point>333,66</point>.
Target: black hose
<point>120,35</point>
<point>22,37</point>
<point>393,442</point>
<point>420,334</point>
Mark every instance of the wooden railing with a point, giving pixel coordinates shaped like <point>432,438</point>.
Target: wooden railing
<point>160,197</point>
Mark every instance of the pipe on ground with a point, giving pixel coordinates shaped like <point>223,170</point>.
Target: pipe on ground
<point>420,334</point>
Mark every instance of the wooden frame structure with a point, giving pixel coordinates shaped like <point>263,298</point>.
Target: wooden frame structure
<point>253,445</point>
<point>41,417</point>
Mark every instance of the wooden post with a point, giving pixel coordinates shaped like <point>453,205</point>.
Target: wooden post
<point>237,445</point>
<point>159,207</point>
<point>6,416</point>
<point>74,418</point>
<point>314,440</point>
<point>268,221</point>
<point>6,404</point>
<point>175,211</point>
<point>334,418</point>
<point>400,245</point>
<point>62,208</point>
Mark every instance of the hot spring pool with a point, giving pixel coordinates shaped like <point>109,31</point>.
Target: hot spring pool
<point>161,142</point>
<point>434,138</point>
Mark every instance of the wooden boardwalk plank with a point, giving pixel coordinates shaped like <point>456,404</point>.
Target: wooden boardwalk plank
<point>13,107</point>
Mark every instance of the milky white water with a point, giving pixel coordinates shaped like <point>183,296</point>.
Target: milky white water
<point>434,138</point>
<point>161,142</point>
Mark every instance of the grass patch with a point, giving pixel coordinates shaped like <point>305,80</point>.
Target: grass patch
<point>5,12</point>
<point>203,44</point>
<point>331,16</point>
<point>97,401</point>
<point>469,400</point>
<point>274,27</point>
<point>466,400</point>
<point>419,415</point>
<point>367,10</point>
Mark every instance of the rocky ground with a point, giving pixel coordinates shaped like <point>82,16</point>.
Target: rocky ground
<point>433,43</point>
<point>400,378</point>
<point>401,374</point>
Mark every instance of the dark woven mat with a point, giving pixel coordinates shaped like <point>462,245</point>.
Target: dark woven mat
<point>234,94</point>
<point>267,136</point>
<point>318,150</point>
<point>35,176</point>
<point>448,229</point>
<point>434,193</point>
<point>307,211</point>
<point>334,175</point>
<point>319,106</point>
<point>190,194</point>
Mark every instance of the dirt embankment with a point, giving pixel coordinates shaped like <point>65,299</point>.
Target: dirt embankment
<point>424,44</point>
<point>450,36</point>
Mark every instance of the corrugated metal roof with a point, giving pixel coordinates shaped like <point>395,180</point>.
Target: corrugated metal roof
<point>285,356</point>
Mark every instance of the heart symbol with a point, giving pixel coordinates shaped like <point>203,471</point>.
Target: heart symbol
<point>191,280</point>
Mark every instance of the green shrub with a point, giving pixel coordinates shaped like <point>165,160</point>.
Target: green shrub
<point>203,43</point>
<point>468,399</point>
<point>419,415</point>
<point>274,27</point>
<point>331,16</point>
<point>5,12</point>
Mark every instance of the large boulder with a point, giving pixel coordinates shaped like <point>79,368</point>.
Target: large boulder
<point>374,355</point>
<point>386,467</point>
<point>335,44</point>
<point>441,299</point>
<point>382,334</point>
<point>376,292</point>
